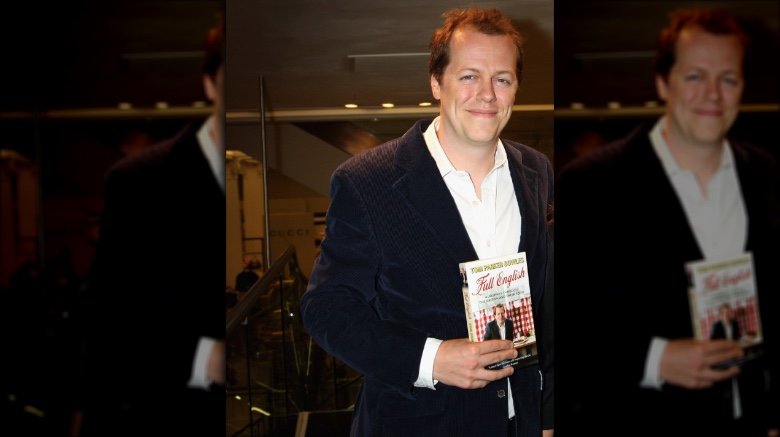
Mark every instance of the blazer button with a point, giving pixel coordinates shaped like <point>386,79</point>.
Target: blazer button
<point>501,394</point>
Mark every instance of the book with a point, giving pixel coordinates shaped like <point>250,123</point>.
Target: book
<point>724,303</point>
<point>496,289</point>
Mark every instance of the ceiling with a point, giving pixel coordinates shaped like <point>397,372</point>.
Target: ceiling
<point>605,49</point>
<point>96,54</point>
<point>315,56</point>
<point>323,54</point>
<point>320,54</point>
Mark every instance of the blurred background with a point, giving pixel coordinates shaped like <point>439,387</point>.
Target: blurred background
<point>85,83</point>
<point>604,70</point>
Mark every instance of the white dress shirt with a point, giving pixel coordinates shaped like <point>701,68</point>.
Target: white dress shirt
<point>493,223</point>
<point>718,221</point>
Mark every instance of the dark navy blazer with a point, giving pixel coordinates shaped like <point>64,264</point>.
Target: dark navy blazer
<point>623,240</point>
<point>387,278</point>
<point>155,287</point>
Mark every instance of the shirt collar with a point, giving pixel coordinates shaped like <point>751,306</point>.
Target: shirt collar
<point>442,161</point>
<point>211,152</point>
<point>661,148</point>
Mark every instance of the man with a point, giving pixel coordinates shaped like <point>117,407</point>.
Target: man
<point>385,293</point>
<point>154,306</point>
<point>246,278</point>
<point>726,326</point>
<point>630,217</point>
<point>500,327</point>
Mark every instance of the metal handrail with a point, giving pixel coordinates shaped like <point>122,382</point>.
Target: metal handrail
<point>261,287</point>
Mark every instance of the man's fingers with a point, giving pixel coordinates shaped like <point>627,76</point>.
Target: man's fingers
<point>721,346</point>
<point>488,346</point>
<point>494,357</point>
<point>462,363</point>
<point>719,351</point>
<point>715,375</point>
<point>493,375</point>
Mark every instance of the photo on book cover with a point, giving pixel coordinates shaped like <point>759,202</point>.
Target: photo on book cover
<point>724,302</point>
<point>497,300</point>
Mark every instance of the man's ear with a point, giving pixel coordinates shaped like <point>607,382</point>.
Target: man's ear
<point>435,88</point>
<point>209,87</point>
<point>661,87</point>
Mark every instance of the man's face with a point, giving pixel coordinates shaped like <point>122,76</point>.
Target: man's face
<point>477,89</point>
<point>500,312</point>
<point>704,87</point>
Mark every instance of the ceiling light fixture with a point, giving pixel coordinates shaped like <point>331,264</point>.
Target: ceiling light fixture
<point>388,105</point>
<point>351,105</point>
<point>424,104</point>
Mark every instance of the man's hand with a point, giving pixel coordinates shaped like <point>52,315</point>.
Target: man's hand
<point>461,363</point>
<point>688,363</point>
<point>216,365</point>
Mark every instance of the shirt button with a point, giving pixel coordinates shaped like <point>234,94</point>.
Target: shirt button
<point>501,394</point>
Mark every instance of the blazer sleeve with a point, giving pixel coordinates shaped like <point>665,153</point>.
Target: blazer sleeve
<point>488,332</point>
<point>340,309</point>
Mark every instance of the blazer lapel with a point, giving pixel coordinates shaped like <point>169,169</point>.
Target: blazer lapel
<point>421,184</point>
<point>753,191</point>
<point>525,181</point>
<point>194,166</point>
<point>652,188</point>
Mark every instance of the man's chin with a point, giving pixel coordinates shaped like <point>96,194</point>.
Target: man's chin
<point>488,137</point>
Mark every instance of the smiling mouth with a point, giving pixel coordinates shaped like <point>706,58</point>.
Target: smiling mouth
<point>483,113</point>
<point>709,112</point>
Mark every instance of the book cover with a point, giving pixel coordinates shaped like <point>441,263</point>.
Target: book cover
<point>497,300</point>
<point>724,302</point>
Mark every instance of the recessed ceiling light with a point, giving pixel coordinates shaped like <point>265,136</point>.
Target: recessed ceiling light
<point>161,105</point>
<point>351,105</point>
<point>424,104</point>
<point>125,105</point>
<point>388,105</point>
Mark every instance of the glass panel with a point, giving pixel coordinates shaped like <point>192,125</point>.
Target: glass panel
<point>275,370</point>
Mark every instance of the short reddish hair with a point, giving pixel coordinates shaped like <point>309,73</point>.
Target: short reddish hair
<point>487,21</point>
<point>213,50</point>
<point>714,21</point>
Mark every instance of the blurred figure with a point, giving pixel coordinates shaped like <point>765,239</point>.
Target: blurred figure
<point>630,216</point>
<point>155,324</point>
<point>247,277</point>
<point>135,141</point>
<point>726,326</point>
<point>586,142</point>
